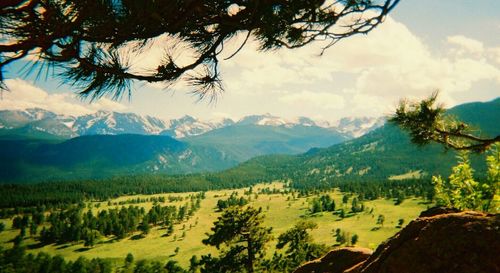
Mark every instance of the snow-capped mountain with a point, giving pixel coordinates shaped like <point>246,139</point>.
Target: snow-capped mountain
<point>10,119</point>
<point>190,126</point>
<point>351,126</point>
<point>356,127</point>
<point>37,120</point>
<point>113,123</point>
<point>270,120</point>
<point>263,120</point>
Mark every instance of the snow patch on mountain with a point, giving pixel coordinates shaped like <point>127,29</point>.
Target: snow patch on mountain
<point>104,122</point>
<point>358,126</point>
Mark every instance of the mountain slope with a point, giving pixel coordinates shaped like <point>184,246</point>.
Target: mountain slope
<point>36,122</point>
<point>382,154</point>
<point>102,156</point>
<point>246,140</point>
<point>485,116</point>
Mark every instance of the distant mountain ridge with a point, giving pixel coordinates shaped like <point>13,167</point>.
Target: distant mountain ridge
<point>98,156</point>
<point>113,123</point>
<point>382,154</point>
<point>36,144</point>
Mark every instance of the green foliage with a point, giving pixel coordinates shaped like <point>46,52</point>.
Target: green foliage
<point>129,259</point>
<point>427,122</point>
<point>322,203</point>
<point>356,205</point>
<point>16,260</point>
<point>72,225</point>
<point>381,220</point>
<point>491,189</point>
<point>233,200</point>
<point>194,264</point>
<point>462,191</point>
<point>341,236</point>
<point>354,239</point>
<point>299,247</point>
<point>240,231</point>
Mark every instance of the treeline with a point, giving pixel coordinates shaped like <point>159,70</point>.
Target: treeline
<point>18,199</point>
<point>59,194</point>
<point>52,194</point>
<point>16,260</point>
<point>233,200</point>
<point>367,189</point>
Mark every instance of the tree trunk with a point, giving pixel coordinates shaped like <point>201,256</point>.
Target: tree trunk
<point>251,255</point>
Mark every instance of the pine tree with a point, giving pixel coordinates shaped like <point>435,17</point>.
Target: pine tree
<point>299,245</point>
<point>354,239</point>
<point>240,230</point>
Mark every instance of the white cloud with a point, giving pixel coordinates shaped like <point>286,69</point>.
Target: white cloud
<point>362,75</point>
<point>467,44</point>
<point>323,100</point>
<point>23,95</point>
<point>495,54</point>
<point>387,64</point>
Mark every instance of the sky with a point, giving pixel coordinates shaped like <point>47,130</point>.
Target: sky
<point>424,45</point>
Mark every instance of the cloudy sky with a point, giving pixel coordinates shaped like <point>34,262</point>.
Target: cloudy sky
<point>424,45</point>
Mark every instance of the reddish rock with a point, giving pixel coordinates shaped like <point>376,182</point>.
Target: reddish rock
<point>441,240</point>
<point>460,242</point>
<point>336,261</point>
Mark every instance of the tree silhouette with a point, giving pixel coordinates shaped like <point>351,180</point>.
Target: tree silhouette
<point>90,42</point>
<point>426,122</point>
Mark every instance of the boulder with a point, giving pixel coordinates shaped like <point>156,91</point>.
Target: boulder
<point>458,242</point>
<point>336,261</point>
<point>440,240</point>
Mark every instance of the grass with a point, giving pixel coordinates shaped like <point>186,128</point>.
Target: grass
<point>281,214</point>
<point>409,175</point>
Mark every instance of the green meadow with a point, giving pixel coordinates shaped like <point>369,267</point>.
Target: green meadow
<point>282,212</point>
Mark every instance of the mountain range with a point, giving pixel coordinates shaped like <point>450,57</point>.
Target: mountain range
<point>40,122</point>
<point>382,154</point>
<point>40,145</point>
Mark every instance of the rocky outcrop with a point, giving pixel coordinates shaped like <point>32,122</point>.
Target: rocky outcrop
<point>337,260</point>
<point>440,240</point>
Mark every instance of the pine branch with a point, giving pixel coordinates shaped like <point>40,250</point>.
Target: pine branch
<point>427,122</point>
<point>62,33</point>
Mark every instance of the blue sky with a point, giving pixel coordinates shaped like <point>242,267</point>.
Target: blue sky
<point>424,45</point>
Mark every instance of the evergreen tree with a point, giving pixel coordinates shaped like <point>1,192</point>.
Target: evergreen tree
<point>299,246</point>
<point>194,263</point>
<point>354,239</point>
<point>129,260</point>
<point>240,230</point>
<point>380,220</point>
<point>144,226</point>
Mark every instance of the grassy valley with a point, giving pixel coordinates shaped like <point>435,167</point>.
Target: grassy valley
<point>282,210</point>
<point>358,192</point>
